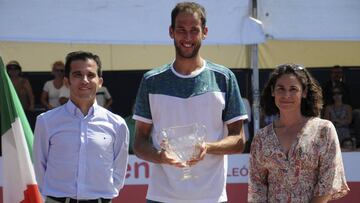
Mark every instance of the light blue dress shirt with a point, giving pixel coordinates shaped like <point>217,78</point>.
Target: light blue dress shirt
<point>77,156</point>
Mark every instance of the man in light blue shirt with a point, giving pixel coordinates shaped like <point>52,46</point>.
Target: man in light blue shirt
<point>80,148</point>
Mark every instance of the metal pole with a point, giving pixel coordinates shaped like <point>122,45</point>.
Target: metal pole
<point>255,76</point>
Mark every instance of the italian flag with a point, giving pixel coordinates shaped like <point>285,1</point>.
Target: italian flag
<point>19,184</point>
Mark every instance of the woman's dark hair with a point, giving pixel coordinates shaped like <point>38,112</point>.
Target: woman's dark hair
<point>311,105</point>
<point>81,55</point>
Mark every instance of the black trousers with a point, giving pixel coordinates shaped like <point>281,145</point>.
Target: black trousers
<point>151,201</point>
<point>70,200</point>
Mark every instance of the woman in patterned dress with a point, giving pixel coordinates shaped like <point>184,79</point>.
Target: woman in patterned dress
<point>296,158</point>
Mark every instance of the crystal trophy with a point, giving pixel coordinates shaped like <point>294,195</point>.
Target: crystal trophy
<point>184,143</point>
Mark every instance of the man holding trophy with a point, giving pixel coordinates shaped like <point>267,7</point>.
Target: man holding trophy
<point>192,111</point>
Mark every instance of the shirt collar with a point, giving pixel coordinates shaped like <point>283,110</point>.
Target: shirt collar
<point>193,74</point>
<point>74,110</point>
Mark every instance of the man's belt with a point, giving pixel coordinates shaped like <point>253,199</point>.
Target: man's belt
<point>63,200</point>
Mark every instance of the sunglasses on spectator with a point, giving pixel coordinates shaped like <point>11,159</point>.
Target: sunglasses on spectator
<point>13,68</point>
<point>337,93</point>
<point>294,67</point>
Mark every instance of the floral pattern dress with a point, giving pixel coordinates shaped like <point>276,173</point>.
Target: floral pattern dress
<point>313,166</point>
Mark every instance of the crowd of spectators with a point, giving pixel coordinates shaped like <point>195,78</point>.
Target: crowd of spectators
<point>338,109</point>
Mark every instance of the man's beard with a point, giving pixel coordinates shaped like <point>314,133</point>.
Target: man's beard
<point>190,55</point>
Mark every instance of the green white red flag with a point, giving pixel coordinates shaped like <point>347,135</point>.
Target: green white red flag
<point>19,183</point>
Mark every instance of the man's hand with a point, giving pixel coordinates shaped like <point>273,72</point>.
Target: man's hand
<point>200,151</point>
<point>167,158</point>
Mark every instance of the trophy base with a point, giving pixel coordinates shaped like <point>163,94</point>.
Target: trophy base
<point>186,173</point>
<point>187,177</point>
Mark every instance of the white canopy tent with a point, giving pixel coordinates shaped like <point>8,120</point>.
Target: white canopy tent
<point>310,20</point>
<point>119,22</point>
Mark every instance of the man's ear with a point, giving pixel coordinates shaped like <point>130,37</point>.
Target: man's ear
<point>171,32</point>
<point>66,81</point>
<point>101,80</point>
<point>205,32</point>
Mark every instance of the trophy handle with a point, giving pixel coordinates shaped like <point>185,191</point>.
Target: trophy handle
<point>201,133</point>
<point>162,139</point>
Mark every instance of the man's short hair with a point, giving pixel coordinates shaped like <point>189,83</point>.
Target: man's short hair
<point>81,55</point>
<point>189,7</point>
